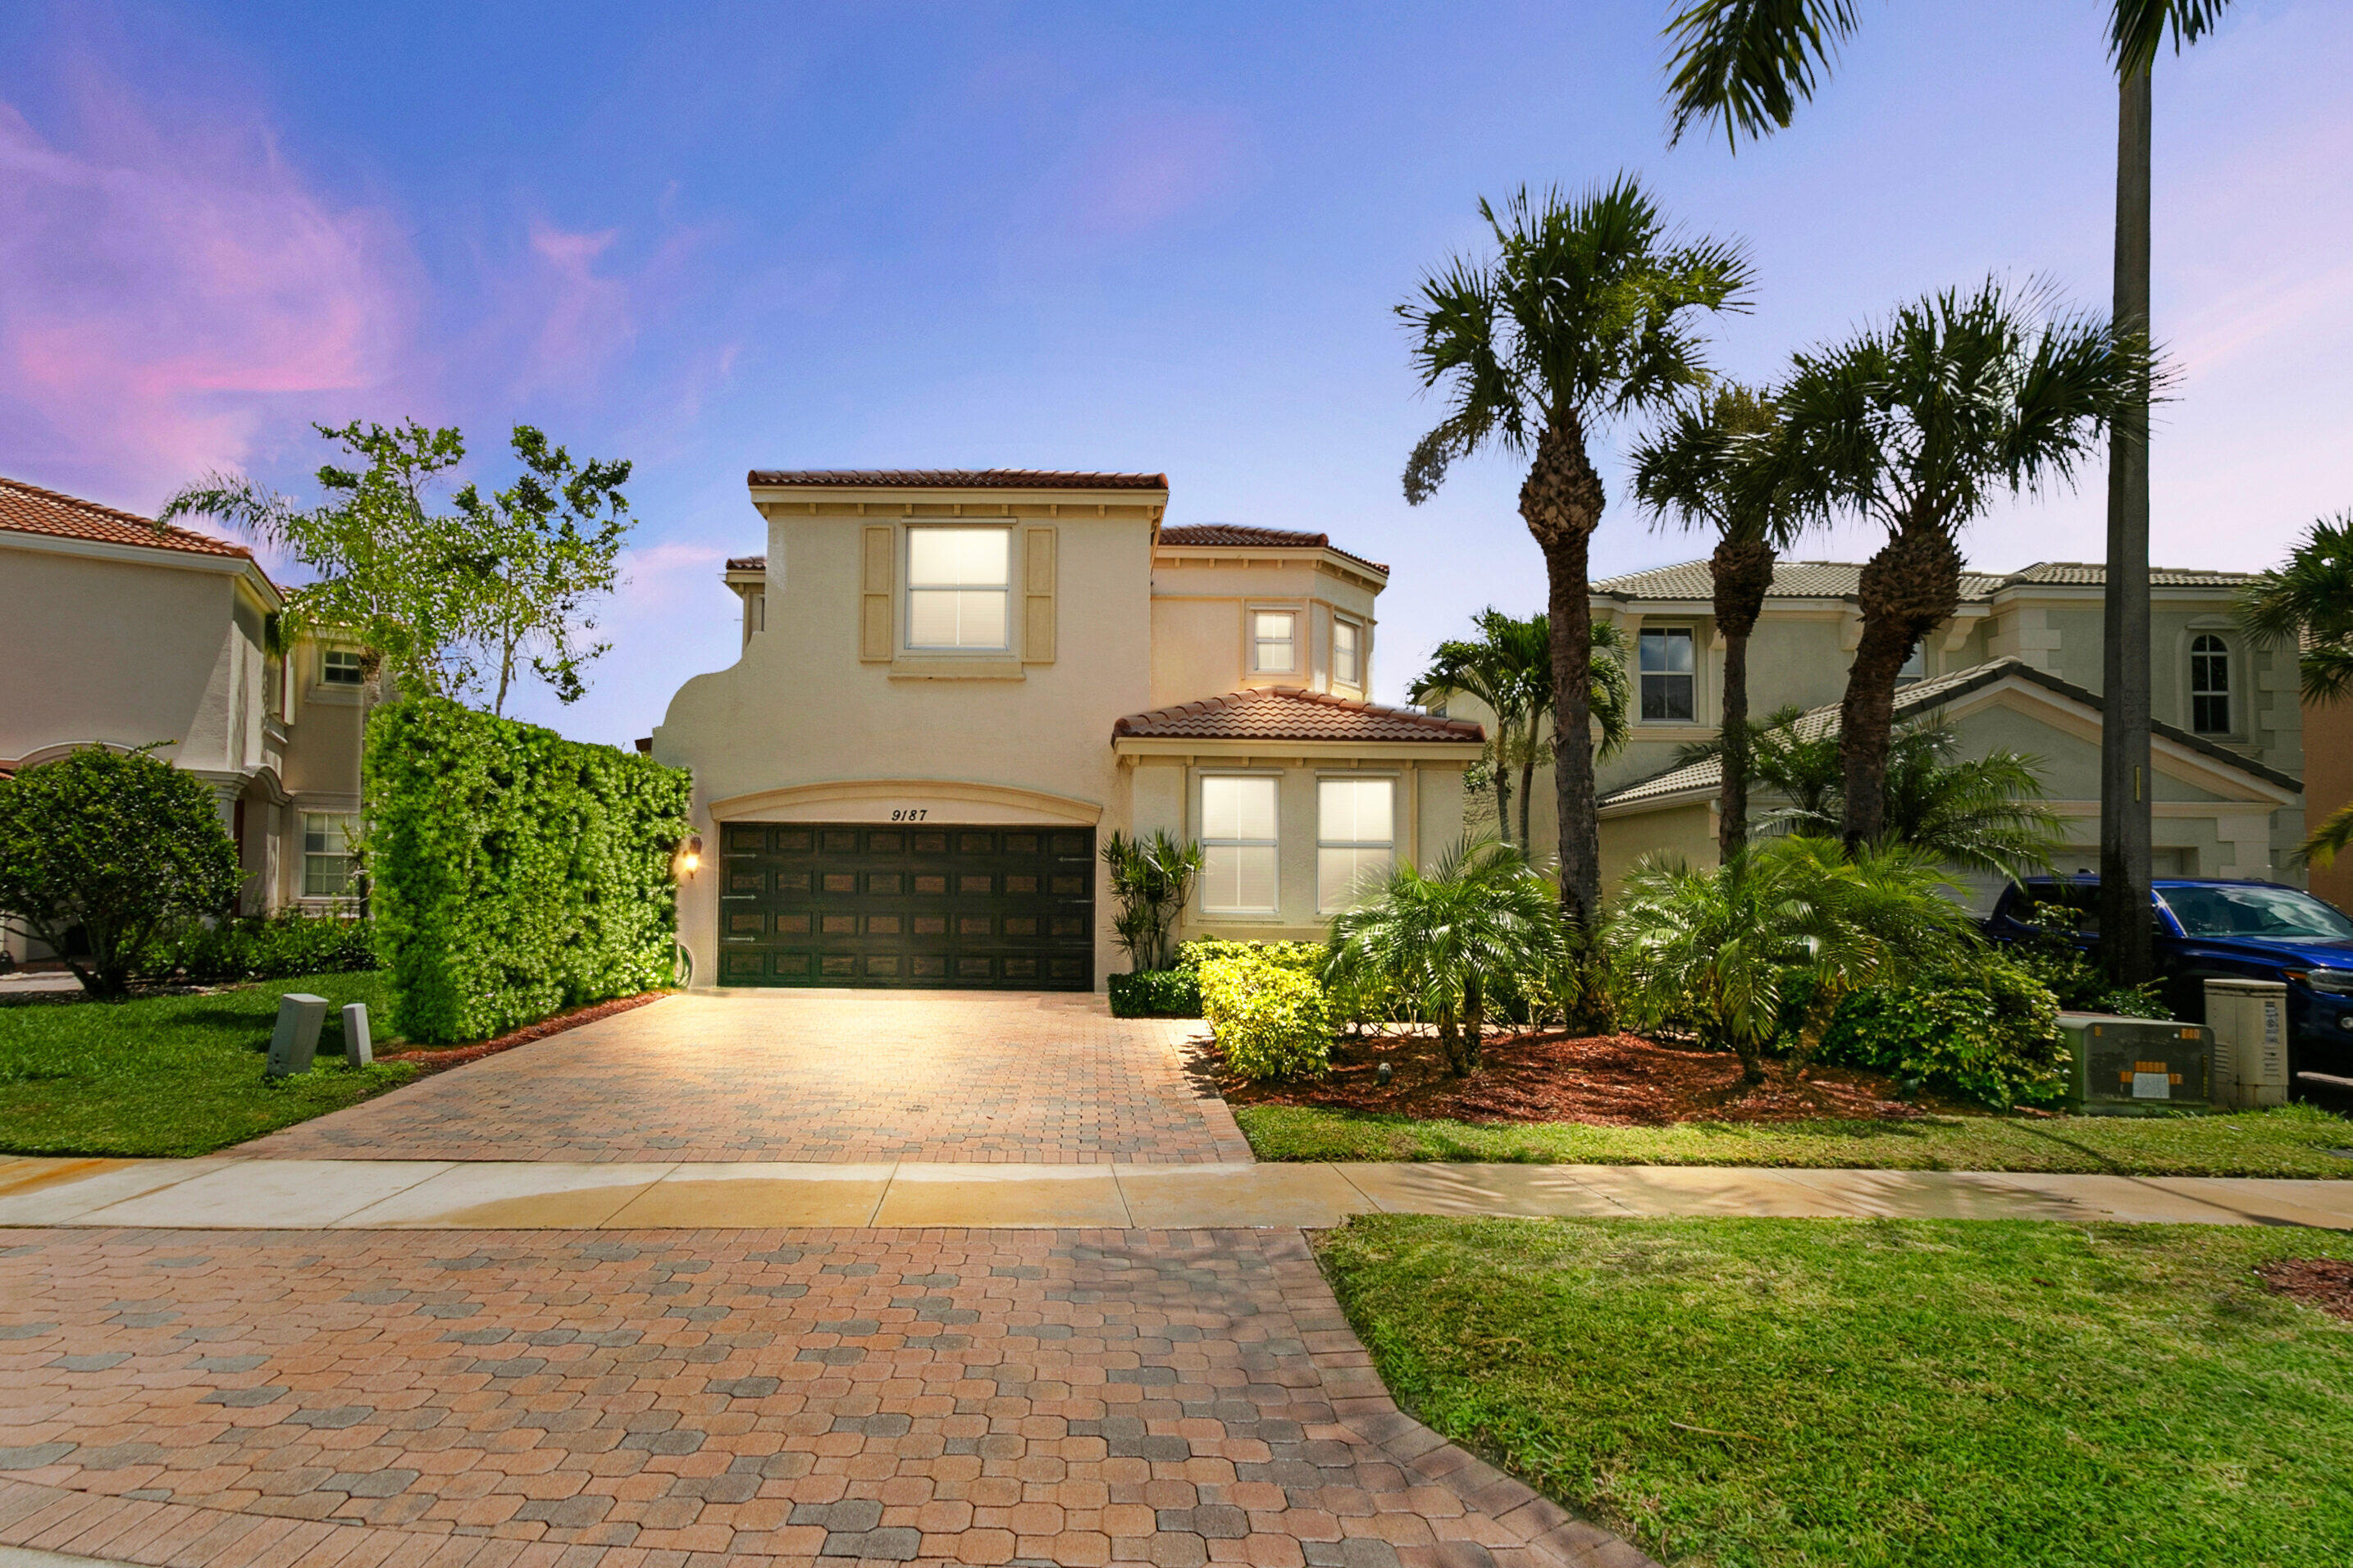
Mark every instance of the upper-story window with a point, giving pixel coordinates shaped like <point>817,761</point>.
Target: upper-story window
<point>340,667</point>
<point>1347,654</point>
<point>959,588</point>
<point>1238,845</point>
<point>1274,642</point>
<point>2209,685</point>
<point>1916,666</point>
<point>1667,673</point>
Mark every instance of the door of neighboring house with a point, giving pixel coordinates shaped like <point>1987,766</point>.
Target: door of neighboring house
<point>858,904</point>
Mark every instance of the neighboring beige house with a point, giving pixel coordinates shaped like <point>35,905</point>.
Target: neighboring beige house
<point>954,686</point>
<point>114,632</point>
<point>2019,666</point>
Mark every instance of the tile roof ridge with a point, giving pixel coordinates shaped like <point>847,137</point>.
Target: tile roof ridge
<point>167,536</point>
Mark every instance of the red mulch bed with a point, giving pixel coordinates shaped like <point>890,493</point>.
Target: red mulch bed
<point>1609,1080</point>
<point>436,1058</point>
<point>2323,1282</point>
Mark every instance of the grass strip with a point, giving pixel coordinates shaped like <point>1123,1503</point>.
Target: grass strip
<point>2293,1141</point>
<point>162,1075</point>
<point>1772,1393</point>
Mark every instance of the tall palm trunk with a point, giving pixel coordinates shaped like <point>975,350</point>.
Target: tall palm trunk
<point>1742,571</point>
<point>1504,784</point>
<point>1912,586</point>
<point>2125,828</point>
<point>1561,501</point>
<point>1528,784</point>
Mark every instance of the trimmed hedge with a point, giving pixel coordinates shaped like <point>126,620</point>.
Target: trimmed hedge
<point>1988,1032</point>
<point>514,873</point>
<point>1270,1018</point>
<point>271,947</point>
<point>1157,993</point>
<point>1307,957</point>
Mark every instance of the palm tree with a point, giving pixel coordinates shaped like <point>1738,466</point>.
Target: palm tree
<point>1584,313</point>
<point>1728,950</point>
<point>1974,814</point>
<point>2308,604</point>
<point>1698,470</point>
<point>1440,943</point>
<point>1509,670</point>
<point>1916,424</point>
<point>1747,64</point>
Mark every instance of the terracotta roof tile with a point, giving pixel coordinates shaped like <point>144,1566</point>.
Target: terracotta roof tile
<point>28,508</point>
<point>954,479</point>
<point>1690,580</point>
<point>1197,536</point>
<point>747,564</point>
<point>1293,713</point>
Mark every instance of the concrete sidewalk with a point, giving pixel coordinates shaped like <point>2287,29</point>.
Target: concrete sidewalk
<point>238,1193</point>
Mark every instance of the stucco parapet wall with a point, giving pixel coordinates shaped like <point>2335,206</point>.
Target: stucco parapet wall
<point>781,495</point>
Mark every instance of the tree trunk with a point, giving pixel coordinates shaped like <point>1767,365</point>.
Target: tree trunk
<point>1561,501</point>
<point>1742,571</point>
<point>1528,790</point>
<point>1911,586</point>
<point>1475,1018</point>
<point>2126,943</point>
<point>1501,775</point>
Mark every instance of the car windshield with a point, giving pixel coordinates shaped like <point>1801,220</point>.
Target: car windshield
<point>2253,911</point>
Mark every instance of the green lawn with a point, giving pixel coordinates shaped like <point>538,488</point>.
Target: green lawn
<point>1787,1393</point>
<point>172,1074</point>
<point>2296,1141</point>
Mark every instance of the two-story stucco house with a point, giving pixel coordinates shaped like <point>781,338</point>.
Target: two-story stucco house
<point>114,632</point>
<point>2019,666</point>
<point>954,686</point>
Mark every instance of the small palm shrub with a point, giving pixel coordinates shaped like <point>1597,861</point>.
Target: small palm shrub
<point>1788,921</point>
<point>1444,945</point>
<point>1987,1031</point>
<point>1272,1020</point>
<point>1152,879</point>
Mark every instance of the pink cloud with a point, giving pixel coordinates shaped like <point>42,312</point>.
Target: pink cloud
<point>161,292</point>
<point>583,319</point>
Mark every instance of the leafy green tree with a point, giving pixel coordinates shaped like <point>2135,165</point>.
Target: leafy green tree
<point>433,596</point>
<point>1974,814</point>
<point>1702,470</point>
<point>2308,603</point>
<point>117,846</point>
<point>1747,64</point>
<point>539,552</point>
<point>1584,313</point>
<point>1152,879</point>
<point>1729,951</point>
<point>1441,943</point>
<point>1509,670</point>
<point>1916,424</point>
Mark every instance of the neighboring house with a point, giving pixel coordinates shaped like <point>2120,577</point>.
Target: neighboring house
<point>114,632</point>
<point>2328,787</point>
<point>954,686</point>
<point>2019,666</point>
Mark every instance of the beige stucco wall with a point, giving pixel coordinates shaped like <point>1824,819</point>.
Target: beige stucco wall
<point>1685,832</point>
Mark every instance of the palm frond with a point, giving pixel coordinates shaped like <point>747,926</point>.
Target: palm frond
<point>2137,30</point>
<point>1749,63</point>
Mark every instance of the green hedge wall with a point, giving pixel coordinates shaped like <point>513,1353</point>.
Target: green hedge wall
<point>513,873</point>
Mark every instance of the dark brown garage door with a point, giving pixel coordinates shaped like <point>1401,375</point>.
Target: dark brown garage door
<point>853,904</point>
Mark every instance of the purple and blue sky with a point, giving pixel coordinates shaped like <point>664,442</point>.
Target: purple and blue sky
<point>1166,237</point>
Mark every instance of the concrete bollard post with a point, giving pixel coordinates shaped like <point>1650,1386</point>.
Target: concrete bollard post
<point>358,1049</point>
<point>296,1039</point>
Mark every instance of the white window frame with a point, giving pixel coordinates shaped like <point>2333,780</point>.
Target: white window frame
<point>1272,847</point>
<point>1354,679</point>
<point>1257,660</point>
<point>907,595</point>
<point>2228,655</point>
<point>327,667</point>
<point>336,829</point>
<point>1642,677</point>
<point>1326,842</point>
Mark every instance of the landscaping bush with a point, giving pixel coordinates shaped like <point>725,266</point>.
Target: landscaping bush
<point>2074,977</point>
<point>1988,1032</point>
<point>1307,957</point>
<point>1270,1018</point>
<point>515,873</point>
<point>1157,993</point>
<point>114,847</point>
<point>271,947</point>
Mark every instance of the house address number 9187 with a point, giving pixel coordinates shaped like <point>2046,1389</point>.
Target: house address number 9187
<point>908,813</point>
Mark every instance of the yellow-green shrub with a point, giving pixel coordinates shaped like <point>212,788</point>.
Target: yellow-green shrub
<point>1307,956</point>
<point>1272,1020</point>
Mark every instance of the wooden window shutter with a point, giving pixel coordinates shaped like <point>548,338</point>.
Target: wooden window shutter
<point>1037,596</point>
<point>874,593</point>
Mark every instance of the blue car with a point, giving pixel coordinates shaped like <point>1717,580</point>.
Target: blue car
<point>2209,930</point>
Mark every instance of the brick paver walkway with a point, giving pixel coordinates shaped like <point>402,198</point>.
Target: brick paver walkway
<point>671,1399</point>
<point>826,1076</point>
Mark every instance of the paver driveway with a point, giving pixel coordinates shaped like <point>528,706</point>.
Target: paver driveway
<point>668,1399</point>
<point>822,1076</point>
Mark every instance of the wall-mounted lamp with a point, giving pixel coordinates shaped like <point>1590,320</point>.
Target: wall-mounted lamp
<point>689,856</point>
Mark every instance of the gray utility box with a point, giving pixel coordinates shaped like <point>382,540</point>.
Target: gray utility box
<point>2249,1019</point>
<point>295,1041</point>
<point>2137,1067</point>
